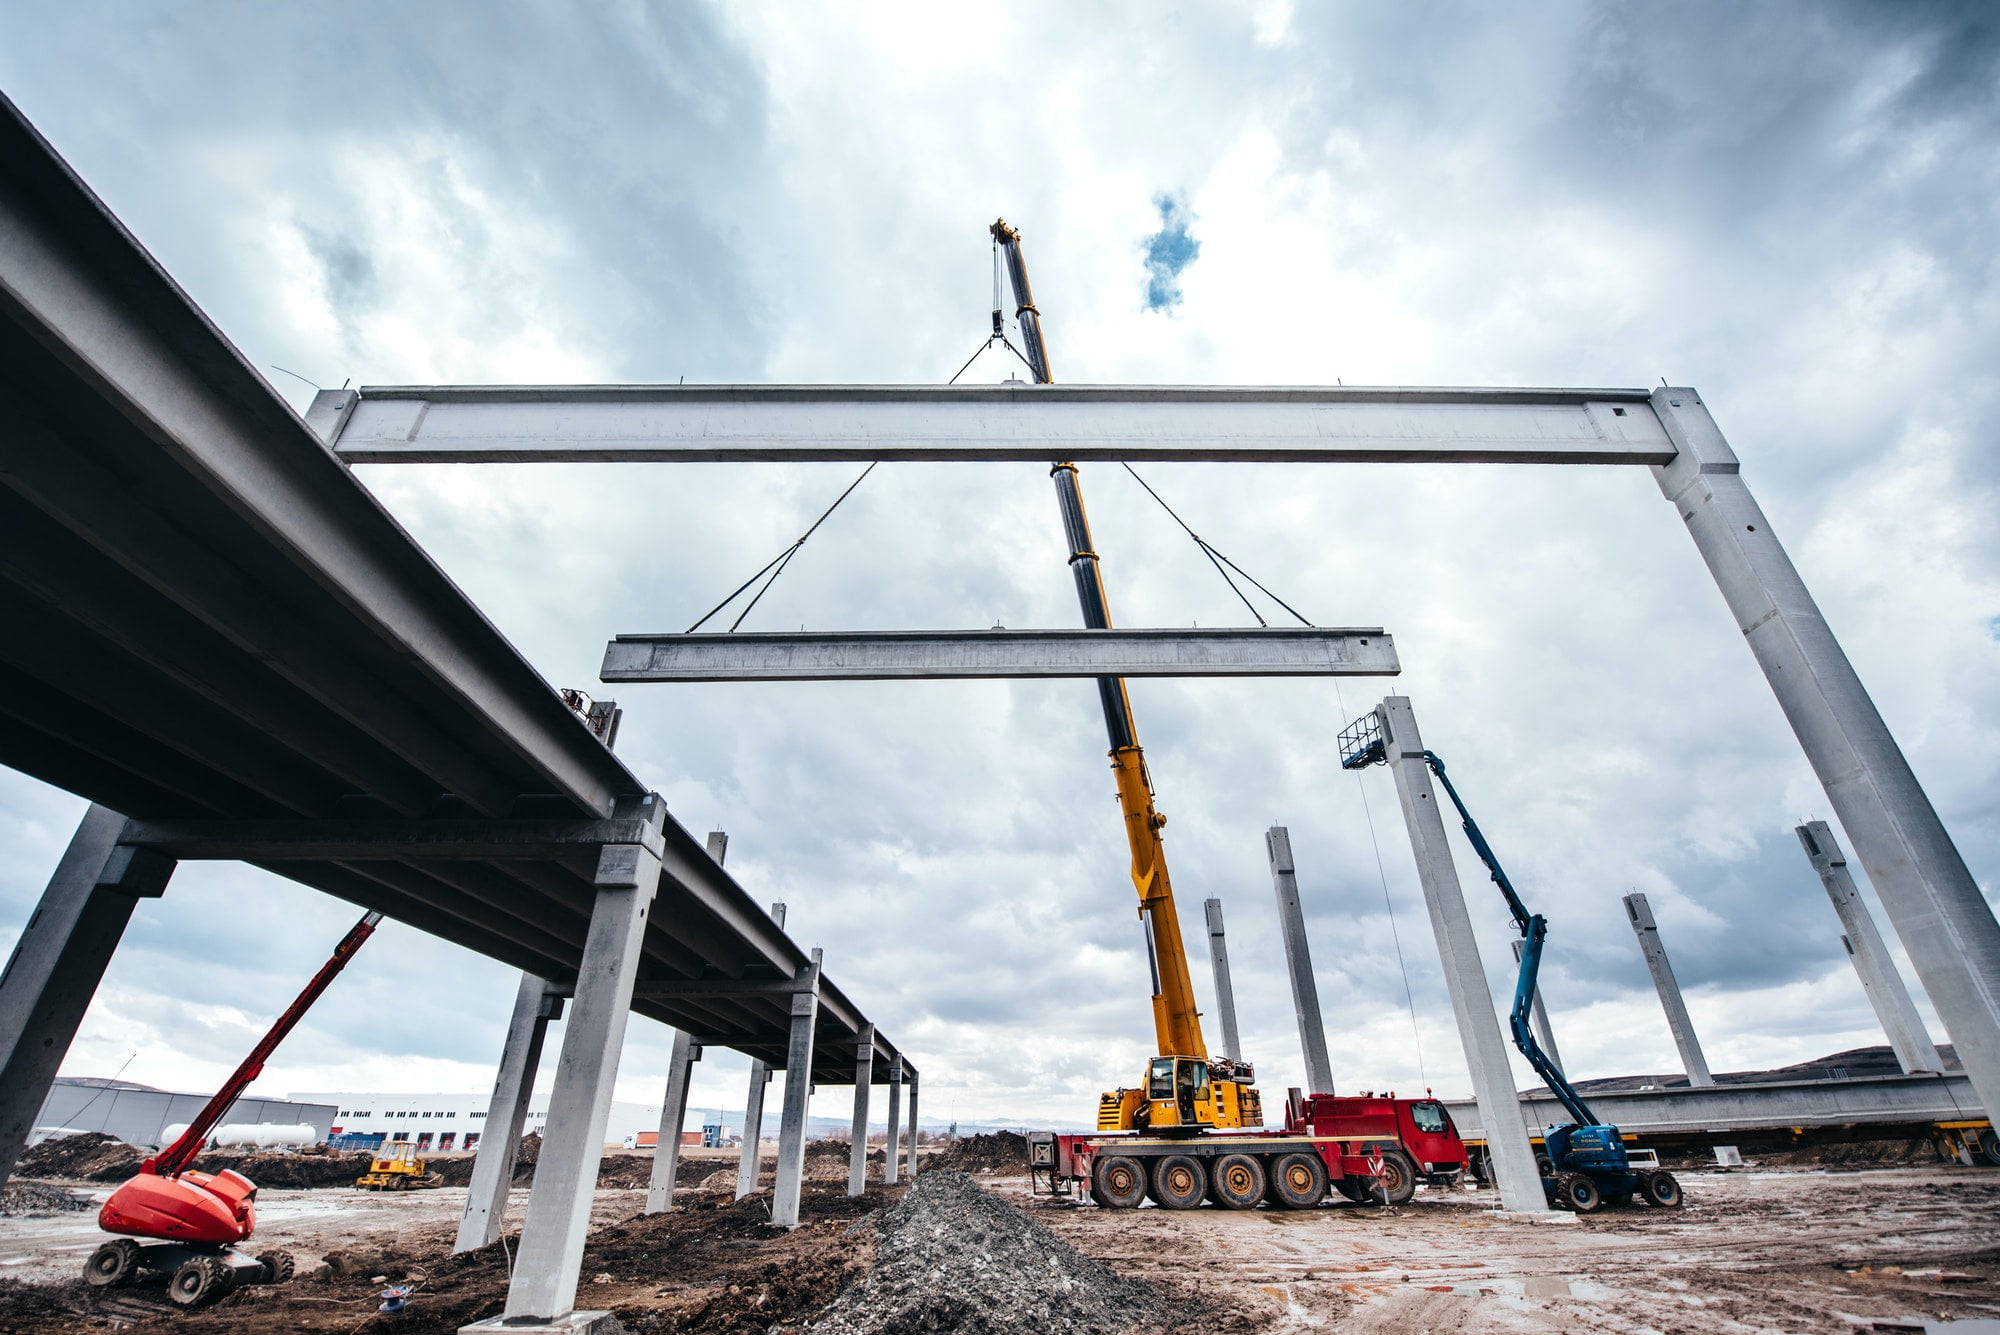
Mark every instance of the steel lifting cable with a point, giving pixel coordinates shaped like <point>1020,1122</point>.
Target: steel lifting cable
<point>776,565</point>
<point>999,334</point>
<point>1218,560</point>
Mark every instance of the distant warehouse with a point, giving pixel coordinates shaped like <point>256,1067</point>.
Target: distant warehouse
<point>138,1114</point>
<point>445,1122</point>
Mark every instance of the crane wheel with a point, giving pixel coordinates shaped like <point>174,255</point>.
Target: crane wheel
<point>201,1279</point>
<point>1179,1182</point>
<point>1298,1181</point>
<point>1237,1182</point>
<point>278,1267</point>
<point>1577,1192</point>
<point>112,1265</point>
<point>1399,1176</point>
<point>1661,1189</point>
<point>1546,1166</point>
<point>1118,1182</point>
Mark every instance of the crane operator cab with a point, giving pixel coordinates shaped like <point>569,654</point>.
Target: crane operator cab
<point>1185,1094</point>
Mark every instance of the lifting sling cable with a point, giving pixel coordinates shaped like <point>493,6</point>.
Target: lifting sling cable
<point>1396,936</point>
<point>780,561</point>
<point>1218,560</point>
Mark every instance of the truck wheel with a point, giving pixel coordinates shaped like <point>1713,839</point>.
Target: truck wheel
<point>278,1267</point>
<point>112,1264</point>
<point>1118,1182</point>
<point>1578,1193</point>
<point>1178,1182</point>
<point>1354,1188</point>
<point>1237,1182</point>
<point>1545,1165</point>
<point>1989,1149</point>
<point>1399,1176</point>
<point>1298,1181</point>
<point>1660,1189</point>
<point>201,1279</point>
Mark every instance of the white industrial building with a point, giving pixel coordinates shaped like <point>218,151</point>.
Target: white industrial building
<point>446,1122</point>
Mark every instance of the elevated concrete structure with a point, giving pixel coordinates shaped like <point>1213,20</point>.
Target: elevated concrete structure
<point>1908,1038</point>
<point>951,655</point>
<point>1678,1020</point>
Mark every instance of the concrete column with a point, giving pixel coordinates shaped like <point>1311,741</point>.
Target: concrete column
<point>667,1149</point>
<point>895,1112</point>
<point>718,846</point>
<point>750,1163</point>
<point>1225,995</point>
<point>1298,960</point>
<point>545,1269</point>
<point>485,1216</point>
<point>1678,1020</point>
<point>1539,1017</point>
<point>1513,1159</point>
<point>1915,1052</point>
<point>910,1161</point>
<point>1936,907</point>
<point>864,1076</point>
<point>59,961</point>
<point>798,1095</point>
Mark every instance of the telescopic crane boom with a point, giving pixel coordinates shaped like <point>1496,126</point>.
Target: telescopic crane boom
<point>1176,1020</point>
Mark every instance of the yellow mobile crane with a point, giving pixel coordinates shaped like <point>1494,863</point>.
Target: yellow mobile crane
<point>1183,1091</point>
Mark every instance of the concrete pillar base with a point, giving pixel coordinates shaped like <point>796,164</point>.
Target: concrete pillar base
<point>576,1323</point>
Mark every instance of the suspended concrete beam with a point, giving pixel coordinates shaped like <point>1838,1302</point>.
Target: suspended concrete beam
<point>1033,423</point>
<point>1225,993</point>
<point>1669,988</point>
<point>1307,651</point>
<point>1298,961</point>
<point>1908,1038</point>
<point>1464,975</point>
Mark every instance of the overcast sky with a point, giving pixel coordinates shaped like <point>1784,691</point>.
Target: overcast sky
<point>1789,206</point>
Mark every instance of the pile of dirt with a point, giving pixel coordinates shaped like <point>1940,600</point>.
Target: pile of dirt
<point>290,1170</point>
<point>39,1198</point>
<point>457,1170</point>
<point>999,1152</point>
<point>951,1257</point>
<point>90,1156</point>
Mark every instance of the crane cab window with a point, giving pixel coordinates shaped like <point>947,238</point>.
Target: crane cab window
<point>1430,1117</point>
<point>1200,1078</point>
<point>1160,1081</point>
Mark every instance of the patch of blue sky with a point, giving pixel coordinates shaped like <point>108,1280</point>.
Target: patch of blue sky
<point>1169,251</point>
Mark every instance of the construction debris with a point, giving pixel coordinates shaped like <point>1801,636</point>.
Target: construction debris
<point>999,1152</point>
<point>30,1199</point>
<point>949,1256</point>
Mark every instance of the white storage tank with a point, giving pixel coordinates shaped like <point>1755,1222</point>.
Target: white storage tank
<point>251,1135</point>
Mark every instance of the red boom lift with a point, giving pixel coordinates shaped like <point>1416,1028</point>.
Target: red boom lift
<point>199,1217</point>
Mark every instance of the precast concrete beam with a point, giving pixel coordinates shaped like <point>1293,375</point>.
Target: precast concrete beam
<point>485,1216</point>
<point>1225,994</point>
<point>1678,1019</point>
<point>786,1189</point>
<point>1880,979</point>
<point>58,962</point>
<point>1028,423</point>
<point>942,655</point>
<point>1937,908</point>
<point>1298,961</point>
<point>1465,977</point>
<point>673,1115</point>
<point>857,1145</point>
<point>543,1287</point>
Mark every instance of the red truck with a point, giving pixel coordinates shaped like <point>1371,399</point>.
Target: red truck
<point>1370,1149</point>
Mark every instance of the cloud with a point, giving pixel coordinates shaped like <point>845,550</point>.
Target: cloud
<point>1787,205</point>
<point>1168,252</point>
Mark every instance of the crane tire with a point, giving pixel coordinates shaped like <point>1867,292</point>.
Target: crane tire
<point>1179,1182</point>
<point>112,1265</point>
<point>200,1280</point>
<point>1118,1182</point>
<point>1236,1182</point>
<point>1661,1189</point>
<point>278,1267</point>
<point>1399,1176</point>
<point>1575,1191</point>
<point>1298,1181</point>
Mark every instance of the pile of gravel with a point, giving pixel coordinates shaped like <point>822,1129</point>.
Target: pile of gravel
<point>951,1257</point>
<point>39,1198</point>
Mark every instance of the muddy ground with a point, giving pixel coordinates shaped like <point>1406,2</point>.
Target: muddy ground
<point>1785,1250</point>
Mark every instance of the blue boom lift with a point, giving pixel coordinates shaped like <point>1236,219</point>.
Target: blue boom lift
<point>1585,1163</point>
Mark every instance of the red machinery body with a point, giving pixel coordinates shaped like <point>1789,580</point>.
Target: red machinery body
<point>216,1208</point>
<point>1422,1127</point>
